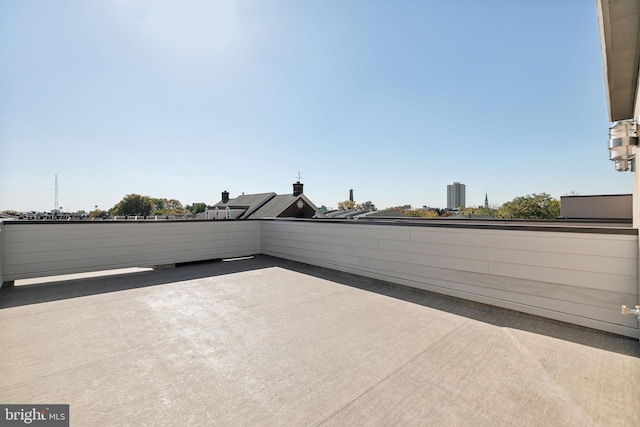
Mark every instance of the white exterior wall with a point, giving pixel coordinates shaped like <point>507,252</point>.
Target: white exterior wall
<point>1,252</point>
<point>46,249</point>
<point>580,278</point>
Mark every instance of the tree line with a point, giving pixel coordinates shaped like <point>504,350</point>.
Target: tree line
<point>532,206</point>
<point>135,204</point>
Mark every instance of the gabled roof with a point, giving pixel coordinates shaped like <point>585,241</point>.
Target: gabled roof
<point>264,205</point>
<point>248,203</point>
<point>246,200</point>
<point>341,213</point>
<point>299,205</point>
<point>275,206</point>
<point>389,212</point>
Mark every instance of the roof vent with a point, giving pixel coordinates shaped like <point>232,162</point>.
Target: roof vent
<point>623,136</point>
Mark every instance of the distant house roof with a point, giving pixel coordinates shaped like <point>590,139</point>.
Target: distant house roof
<point>264,205</point>
<point>287,205</point>
<point>245,205</point>
<point>341,213</point>
<point>389,213</point>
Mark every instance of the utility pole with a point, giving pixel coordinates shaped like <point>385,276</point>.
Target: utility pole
<point>56,202</point>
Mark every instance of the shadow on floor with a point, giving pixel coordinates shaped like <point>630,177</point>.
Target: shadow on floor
<point>497,316</point>
<point>60,290</point>
<point>504,318</point>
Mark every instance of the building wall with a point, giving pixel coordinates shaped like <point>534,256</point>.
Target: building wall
<point>456,196</point>
<point>1,251</point>
<point>580,278</point>
<point>46,249</point>
<point>615,206</point>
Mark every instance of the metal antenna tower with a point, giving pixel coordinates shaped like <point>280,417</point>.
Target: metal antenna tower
<point>56,203</point>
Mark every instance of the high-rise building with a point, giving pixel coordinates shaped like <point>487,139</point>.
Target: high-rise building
<point>455,196</point>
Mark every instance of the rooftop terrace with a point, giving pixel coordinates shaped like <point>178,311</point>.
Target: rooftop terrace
<point>264,341</point>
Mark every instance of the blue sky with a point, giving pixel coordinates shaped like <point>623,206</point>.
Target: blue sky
<point>395,99</point>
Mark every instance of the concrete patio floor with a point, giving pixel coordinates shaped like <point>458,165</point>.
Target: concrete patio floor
<point>268,342</point>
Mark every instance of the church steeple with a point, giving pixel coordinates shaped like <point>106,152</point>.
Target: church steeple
<point>486,201</point>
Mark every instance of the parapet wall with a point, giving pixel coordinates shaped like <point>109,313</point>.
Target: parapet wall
<point>577,277</point>
<point>580,276</point>
<point>45,249</point>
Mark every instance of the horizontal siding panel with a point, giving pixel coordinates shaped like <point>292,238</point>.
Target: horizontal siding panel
<point>580,278</point>
<point>586,296</point>
<point>568,261</point>
<point>54,232</point>
<point>123,243</point>
<point>35,250</point>
<point>603,318</point>
<point>587,244</point>
<point>222,244</point>
<point>620,275</point>
<point>19,271</point>
<point>76,231</point>
<point>615,284</point>
<point>431,260</point>
<point>626,329</point>
<point>312,257</point>
<point>554,275</point>
<point>610,314</point>
<point>353,230</point>
<point>335,240</point>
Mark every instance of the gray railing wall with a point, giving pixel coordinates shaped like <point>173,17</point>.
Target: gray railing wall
<point>45,249</point>
<point>577,277</point>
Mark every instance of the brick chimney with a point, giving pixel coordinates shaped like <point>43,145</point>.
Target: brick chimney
<point>225,196</point>
<point>297,188</point>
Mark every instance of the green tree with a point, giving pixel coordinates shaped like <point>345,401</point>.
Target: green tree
<point>196,208</point>
<point>347,204</point>
<point>421,213</point>
<point>158,204</point>
<point>98,214</point>
<point>480,211</point>
<point>133,204</point>
<point>533,206</point>
<point>167,207</point>
<point>173,204</point>
<point>368,205</point>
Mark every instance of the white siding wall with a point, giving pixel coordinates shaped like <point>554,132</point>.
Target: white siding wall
<point>581,278</point>
<point>44,249</point>
<point>1,251</point>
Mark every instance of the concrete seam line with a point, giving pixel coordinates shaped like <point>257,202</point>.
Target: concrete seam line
<point>339,408</point>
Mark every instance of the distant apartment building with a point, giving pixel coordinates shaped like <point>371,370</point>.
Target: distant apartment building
<point>455,196</point>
